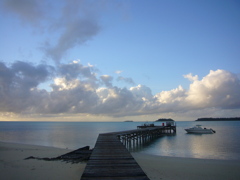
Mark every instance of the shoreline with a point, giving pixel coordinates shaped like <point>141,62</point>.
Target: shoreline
<point>13,165</point>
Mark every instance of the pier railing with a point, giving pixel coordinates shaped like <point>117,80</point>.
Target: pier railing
<point>143,135</point>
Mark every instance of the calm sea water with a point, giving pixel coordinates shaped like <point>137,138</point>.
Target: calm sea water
<point>225,144</point>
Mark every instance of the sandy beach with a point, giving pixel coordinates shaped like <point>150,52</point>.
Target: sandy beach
<point>13,165</point>
<point>171,168</point>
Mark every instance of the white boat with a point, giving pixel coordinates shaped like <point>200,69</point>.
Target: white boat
<point>198,129</point>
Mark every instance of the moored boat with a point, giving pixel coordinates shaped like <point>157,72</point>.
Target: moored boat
<point>198,129</point>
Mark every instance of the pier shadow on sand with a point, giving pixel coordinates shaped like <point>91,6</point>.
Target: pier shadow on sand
<point>76,156</point>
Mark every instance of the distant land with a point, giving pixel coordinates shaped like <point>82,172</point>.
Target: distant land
<point>128,121</point>
<point>164,119</point>
<point>219,119</point>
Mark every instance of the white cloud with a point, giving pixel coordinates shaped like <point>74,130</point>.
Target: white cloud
<point>90,65</point>
<point>64,84</point>
<point>219,88</point>
<point>190,77</point>
<point>118,101</point>
<point>141,92</point>
<point>76,61</point>
<point>174,95</point>
<point>118,72</point>
<point>77,90</point>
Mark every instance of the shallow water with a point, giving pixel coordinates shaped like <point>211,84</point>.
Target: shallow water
<point>224,144</point>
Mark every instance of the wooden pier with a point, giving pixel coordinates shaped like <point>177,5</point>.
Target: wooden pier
<point>110,158</point>
<point>143,134</point>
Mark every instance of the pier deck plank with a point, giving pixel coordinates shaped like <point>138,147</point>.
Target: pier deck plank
<point>110,159</point>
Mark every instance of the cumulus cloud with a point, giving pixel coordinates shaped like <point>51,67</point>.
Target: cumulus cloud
<point>172,96</point>
<point>117,101</point>
<point>190,77</point>
<point>78,89</point>
<point>219,88</point>
<point>141,92</point>
<point>107,80</point>
<point>69,96</point>
<point>18,83</point>
<point>77,70</point>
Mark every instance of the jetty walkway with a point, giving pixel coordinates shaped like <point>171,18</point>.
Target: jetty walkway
<point>110,158</point>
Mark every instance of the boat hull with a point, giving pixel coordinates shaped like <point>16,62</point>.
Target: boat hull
<point>204,131</point>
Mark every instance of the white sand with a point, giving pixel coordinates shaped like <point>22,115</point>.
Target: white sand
<point>172,168</point>
<point>13,165</point>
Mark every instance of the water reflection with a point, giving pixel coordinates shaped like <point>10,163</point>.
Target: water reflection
<point>222,145</point>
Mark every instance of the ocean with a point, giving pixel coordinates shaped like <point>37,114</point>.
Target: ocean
<point>224,144</point>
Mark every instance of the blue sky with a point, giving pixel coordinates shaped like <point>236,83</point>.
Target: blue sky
<point>158,48</point>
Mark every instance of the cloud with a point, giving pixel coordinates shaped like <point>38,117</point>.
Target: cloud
<point>172,96</point>
<point>77,23</point>
<point>66,23</point>
<point>18,83</point>
<point>126,80</point>
<point>77,89</point>
<point>77,70</point>
<point>76,31</point>
<point>69,96</point>
<point>114,101</point>
<point>107,80</point>
<point>118,72</point>
<point>190,77</point>
<point>28,11</point>
<point>141,92</point>
<point>219,88</point>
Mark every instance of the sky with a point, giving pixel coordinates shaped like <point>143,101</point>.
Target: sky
<point>112,60</point>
